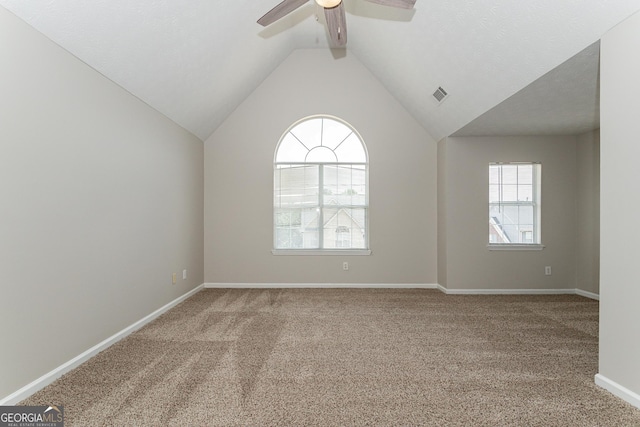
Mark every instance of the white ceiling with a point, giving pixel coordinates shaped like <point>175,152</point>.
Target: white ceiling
<point>197,60</point>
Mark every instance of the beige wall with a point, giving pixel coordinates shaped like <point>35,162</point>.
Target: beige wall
<point>620,204</point>
<point>469,263</point>
<point>442,212</point>
<point>588,213</point>
<point>101,200</point>
<point>239,179</point>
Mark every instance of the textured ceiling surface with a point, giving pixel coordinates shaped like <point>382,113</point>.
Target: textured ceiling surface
<point>196,60</point>
<point>566,100</point>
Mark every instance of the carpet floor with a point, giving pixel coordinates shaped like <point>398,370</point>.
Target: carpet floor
<point>342,357</point>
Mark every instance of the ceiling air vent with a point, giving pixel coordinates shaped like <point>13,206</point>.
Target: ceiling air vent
<point>440,94</point>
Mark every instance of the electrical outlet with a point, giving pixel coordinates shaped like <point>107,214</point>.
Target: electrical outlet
<point>184,274</point>
<point>547,270</point>
<point>174,278</point>
<point>345,266</point>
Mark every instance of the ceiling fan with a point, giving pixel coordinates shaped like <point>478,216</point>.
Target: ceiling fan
<point>333,12</point>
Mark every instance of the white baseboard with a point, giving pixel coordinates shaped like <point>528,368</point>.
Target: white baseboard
<point>587,294</point>
<point>519,292</point>
<point>618,390</point>
<point>405,286</point>
<point>320,285</point>
<point>508,291</point>
<point>50,377</point>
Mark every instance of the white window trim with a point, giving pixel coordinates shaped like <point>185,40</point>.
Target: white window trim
<point>331,252</point>
<point>321,165</point>
<point>515,247</point>
<point>535,203</point>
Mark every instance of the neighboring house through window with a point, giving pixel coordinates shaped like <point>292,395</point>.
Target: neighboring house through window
<point>321,193</point>
<point>514,205</point>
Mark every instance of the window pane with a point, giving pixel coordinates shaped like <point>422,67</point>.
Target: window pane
<point>288,238</point>
<point>344,185</point>
<point>351,150</point>
<point>511,233</point>
<point>526,214</point>
<point>330,188</point>
<point>310,231</point>
<point>344,228</point>
<point>496,234</point>
<point>494,174</point>
<point>296,228</point>
<point>309,132</point>
<point>509,193</point>
<point>321,155</point>
<point>510,215</point>
<point>509,174</point>
<point>495,214</point>
<point>291,150</point>
<point>525,174</point>
<point>333,133</point>
<point>525,193</point>
<point>511,224</point>
<point>296,186</point>
<point>494,193</point>
<point>287,228</point>
<point>288,218</point>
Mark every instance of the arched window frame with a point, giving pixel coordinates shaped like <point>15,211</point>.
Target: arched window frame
<point>336,160</point>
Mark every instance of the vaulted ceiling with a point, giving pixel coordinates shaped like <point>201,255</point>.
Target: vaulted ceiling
<point>195,61</point>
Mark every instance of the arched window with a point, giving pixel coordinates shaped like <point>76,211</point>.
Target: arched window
<point>321,195</point>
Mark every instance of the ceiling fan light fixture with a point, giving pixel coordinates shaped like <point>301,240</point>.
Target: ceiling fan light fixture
<point>328,3</point>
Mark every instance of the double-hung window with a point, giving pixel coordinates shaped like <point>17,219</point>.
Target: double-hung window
<point>514,206</point>
<point>321,193</point>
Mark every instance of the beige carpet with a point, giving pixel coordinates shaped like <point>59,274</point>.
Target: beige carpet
<point>350,357</point>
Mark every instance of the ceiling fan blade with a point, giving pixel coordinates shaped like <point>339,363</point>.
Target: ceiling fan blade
<point>403,4</point>
<point>336,25</point>
<point>282,9</point>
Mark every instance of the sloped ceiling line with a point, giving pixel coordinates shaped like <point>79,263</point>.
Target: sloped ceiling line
<point>195,61</point>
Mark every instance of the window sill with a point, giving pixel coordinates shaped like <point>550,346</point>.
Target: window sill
<point>516,247</point>
<point>334,252</point>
